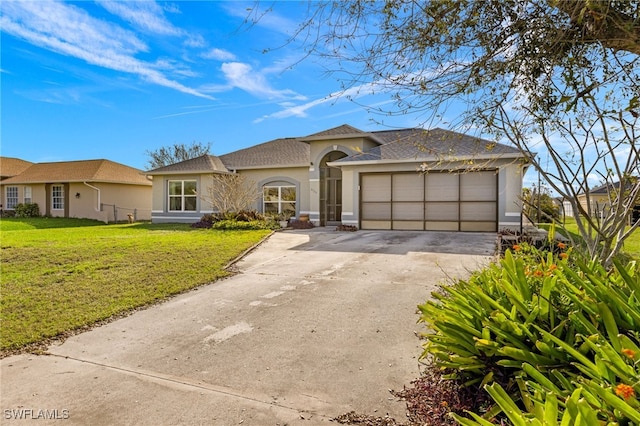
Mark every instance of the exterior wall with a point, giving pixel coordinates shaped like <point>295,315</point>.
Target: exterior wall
<point>510,197</point>
<point>109,202</point>
<point>296,176</point>
<point>509,188</point>
<point>81,201</point>
<point>160,206</point>
<point>598,202</point>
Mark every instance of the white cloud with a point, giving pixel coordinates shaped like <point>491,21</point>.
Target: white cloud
<point>219,55</point>
<point>146,15</point>
<point>70,31</point>
<point>242,76</point>
<point>301,110</point>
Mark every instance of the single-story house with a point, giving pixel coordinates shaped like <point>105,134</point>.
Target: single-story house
<point>599,199</point>
<point>92,189</point>
<point>413,179</point>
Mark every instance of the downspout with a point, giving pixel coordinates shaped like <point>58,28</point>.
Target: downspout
<point>98,191</point>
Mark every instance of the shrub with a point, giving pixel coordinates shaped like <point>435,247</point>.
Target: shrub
<point>207,220</point>
<point>239,225</point>
<point>27,210</point>
<point>540,329</point>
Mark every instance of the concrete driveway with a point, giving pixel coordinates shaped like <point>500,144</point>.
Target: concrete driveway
<point>315,324</point>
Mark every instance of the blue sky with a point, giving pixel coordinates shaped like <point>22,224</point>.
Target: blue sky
<point>88,80</point>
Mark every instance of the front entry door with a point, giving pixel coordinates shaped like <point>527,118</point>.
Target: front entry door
<point>333,201</point>
<point>331,190</point>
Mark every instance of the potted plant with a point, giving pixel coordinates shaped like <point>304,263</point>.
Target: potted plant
<point>283,219</point>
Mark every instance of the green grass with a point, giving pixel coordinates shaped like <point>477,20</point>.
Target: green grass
<point>62,274</point>
<point>631,244</point>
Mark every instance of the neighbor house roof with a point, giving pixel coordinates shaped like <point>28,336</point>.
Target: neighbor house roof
<point>287,152</point>
<point>203,164</point>
<point>10,166</point>
<point>422,144</point>
<point>80,171</point>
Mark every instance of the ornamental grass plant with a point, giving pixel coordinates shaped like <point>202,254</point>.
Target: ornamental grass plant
<point>552,337</point>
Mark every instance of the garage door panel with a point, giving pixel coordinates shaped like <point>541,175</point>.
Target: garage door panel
<point>376,211</point>
<point>441,187</point>
<point>376,224</point>
<point>441,211</point>
<point>408,211</point>
<point>486,211</point>
<point>376,188</point>
<point>478,186</point>
<point>408,187</point>
<point>441,226</point>
<point>408,225</point>
<point>478,226</point>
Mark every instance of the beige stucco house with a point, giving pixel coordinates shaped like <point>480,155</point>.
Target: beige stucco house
<point>93,189</point>
<point>413,179</point>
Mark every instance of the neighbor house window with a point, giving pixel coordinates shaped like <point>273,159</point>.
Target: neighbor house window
<point>182,195</point>
<point>57,197</point>
<point>12,197</point>
<point>279,199</point>
<point>27,194</point>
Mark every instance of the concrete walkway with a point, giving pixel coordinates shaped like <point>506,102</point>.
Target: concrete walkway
<point>315,324</point>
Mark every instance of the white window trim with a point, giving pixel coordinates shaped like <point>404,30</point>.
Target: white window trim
<point>28,195</point>
<point>59,198</point>
<point>182,195</point>
<point>280,200</point>
<point>10,198</point>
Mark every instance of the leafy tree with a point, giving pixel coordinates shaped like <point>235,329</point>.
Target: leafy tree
<point>539,206</point>
<point>560,79</point>
<point>176,153</point>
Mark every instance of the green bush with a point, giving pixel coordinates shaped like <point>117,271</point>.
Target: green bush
<point>539,329</point>
<point>27,210</point>
<point>242,225</point>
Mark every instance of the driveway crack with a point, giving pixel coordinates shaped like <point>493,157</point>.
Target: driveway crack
<point>193,385</point>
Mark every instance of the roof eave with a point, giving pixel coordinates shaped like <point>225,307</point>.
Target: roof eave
<point>283,166</point>
<point>188,172</point>
<point>514,156</point>
<point>343,136</point>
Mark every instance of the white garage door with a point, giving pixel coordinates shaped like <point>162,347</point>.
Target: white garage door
<point>451,201</point>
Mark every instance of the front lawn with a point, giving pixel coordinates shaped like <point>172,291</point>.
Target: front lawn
<point>63,274</point>
<point>631,244</point>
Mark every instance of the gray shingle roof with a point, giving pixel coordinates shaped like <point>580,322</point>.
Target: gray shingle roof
<point>342,130</point>
<point>203,164</point>
<point>402,144</point>
<point>287,152</point>
<point>421,144</point>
